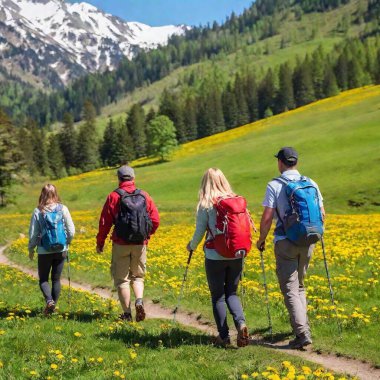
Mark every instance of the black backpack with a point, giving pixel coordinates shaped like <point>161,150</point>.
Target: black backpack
<point>133,223</point>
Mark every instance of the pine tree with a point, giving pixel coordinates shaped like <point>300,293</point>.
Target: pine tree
<point>241,101</point>
<point>125,150</point>
<point>285,97</point>
<point>267,93</point>
<point>55,158</point>
<point>25,144</point>
<point>39,145</point>
<point>356,77</point>
<point>161,137</point>
<point>137,129</point>
<point>377,69</point>
<point>251,92</point>
<point>230,109</point>
<point>67,138</point>
<point>303,83</point>
<point>330,86</point>
<point>88,146</point>
<point>10,160</point>
<point>170,107</point>
<point>317,72</point>
<point>341,71</point>
<point>190,118</point>
<point>110,145</point>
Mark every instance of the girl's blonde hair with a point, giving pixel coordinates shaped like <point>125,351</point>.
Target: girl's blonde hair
<point>49,195</point>
<point>214,185</point>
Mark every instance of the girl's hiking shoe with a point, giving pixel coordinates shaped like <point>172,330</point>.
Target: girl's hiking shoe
<point>127,317</point>
<point>49,308</point>
<point>140,312</point>
<point>220,342</point>
<point>300,341</point>
<point>243,336</point>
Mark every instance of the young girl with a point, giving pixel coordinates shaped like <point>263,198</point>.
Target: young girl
<point>49,262</point>
<point>223,274</point>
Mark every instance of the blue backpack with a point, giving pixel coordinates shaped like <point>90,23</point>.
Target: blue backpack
<point>53,234</point>
<point>303,222</point>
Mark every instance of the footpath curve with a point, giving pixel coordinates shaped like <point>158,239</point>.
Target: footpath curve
<point>339,364</point>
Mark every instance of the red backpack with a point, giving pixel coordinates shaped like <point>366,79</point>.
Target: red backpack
<point>233,224</point>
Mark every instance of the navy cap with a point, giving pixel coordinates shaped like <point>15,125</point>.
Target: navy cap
<point>126,172</point>
<point>287,155</point>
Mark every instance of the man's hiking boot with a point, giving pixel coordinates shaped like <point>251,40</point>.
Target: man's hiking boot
<point>140,312</point>
<point>127,317</point>
<point>220,342</point>
<point>300,341</point>
<point>49,308</point>
<point>243,336</point>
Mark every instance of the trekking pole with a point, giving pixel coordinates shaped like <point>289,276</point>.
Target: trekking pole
<point>330,287</point>
<point>69,277</point>
<point>182,286</point>
<point>242,283</point>
<point>266,292</point>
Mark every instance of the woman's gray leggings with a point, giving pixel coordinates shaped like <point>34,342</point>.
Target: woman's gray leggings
<point>51,262</point>
<point>223,278</point>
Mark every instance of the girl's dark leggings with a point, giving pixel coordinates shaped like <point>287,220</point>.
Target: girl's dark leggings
<point>223,278</point>
<point>51,263</point>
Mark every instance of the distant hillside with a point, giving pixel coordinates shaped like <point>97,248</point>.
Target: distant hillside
<point>337,140</point>
<point>263,29</point>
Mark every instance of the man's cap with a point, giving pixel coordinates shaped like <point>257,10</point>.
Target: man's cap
<point>287,155</point>
<point>126,172</point>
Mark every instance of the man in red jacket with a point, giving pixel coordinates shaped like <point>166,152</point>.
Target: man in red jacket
<point>136,218</point>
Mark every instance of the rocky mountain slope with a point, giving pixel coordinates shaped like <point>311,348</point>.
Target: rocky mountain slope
<point>50,42</point>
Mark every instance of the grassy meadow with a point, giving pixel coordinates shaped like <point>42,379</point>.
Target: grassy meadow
<point>337,140</point>
<point>84,340</point>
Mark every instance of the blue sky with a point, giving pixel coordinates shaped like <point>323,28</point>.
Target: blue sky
<point>163,12</point>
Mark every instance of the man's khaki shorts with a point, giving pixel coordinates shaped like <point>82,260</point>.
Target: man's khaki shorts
<point>128,264</point>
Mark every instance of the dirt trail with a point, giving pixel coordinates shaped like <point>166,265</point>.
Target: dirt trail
<point>333,362</point>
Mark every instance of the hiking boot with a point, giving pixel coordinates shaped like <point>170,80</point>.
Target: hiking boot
<point>220,342</point>
<point>243,336</point>
<point>127,317</point>
<point>140,312</point>
<point>300,341</point>
<point>49,308</point>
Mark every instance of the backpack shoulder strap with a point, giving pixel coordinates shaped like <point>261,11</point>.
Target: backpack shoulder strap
<point>120,192</point>
<point>283,180</point>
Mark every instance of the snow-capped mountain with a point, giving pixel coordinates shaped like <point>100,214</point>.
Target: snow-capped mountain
<point>58,41</point>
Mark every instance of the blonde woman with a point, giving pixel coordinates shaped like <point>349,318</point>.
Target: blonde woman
<point>223,274</point>
<point>51,231</point>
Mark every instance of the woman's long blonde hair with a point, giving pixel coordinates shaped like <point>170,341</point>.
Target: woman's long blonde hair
<point>214,185</point>
<point>49,195</point>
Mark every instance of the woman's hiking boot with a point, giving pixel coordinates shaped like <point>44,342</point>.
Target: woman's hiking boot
<point>127,317</point>
<point>300,341</point>
<point>243,336</point>
<point>49,308</point>
<point>140,311</point>
<point>220,342</point>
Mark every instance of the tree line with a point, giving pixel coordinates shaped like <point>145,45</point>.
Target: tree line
<point>31,151</point>
<point>261,20</point>
<point>213,108</point>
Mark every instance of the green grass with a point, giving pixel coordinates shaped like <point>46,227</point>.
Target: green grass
<point>31,344</point>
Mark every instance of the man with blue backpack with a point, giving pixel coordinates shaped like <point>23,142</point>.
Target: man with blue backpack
<point>297,204</point>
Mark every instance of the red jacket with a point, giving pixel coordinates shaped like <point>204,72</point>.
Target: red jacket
<point>111,209</point>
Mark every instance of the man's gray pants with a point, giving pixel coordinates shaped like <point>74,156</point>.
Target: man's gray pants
<point>292,262</point>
